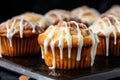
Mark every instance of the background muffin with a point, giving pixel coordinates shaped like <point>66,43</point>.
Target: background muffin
<point>18,37</point>
<point>68,45</point>
<point>33,17</point>
<point>107,28</point>
<point>56,15</point>
<point>86,14</point>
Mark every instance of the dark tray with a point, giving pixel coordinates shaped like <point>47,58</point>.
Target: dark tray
<point>104,68</point>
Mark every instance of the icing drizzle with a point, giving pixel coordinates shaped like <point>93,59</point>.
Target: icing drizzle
<point>65,35</point>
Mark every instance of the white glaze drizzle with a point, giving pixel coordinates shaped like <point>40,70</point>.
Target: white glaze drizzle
<point>107,29</point>
<point>21,28</point>
<point>61,45</point>
<point>80,41</point>
<point>95,42</point>
<point>0,48</point>
<point>65,35</point>
<point>42,51</point>
<point>52,44</point>
<point>48,39</point>
<point>69,40</point>
<point>11,31</point>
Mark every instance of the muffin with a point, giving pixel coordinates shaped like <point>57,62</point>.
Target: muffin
<point>18,37</point>
<point>68,45</point>
<point>86,14</point>
<point>108,31</point>
<point>54,16</point>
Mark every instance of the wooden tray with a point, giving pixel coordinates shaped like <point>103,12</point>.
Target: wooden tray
<point>104,68</point>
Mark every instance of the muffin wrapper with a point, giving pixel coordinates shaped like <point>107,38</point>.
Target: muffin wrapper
<point>113,50</point>
<point>68,63</point>
<point>20,46</point>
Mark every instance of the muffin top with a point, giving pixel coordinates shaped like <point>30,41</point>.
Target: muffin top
<point>19,27</point>
<point>86,14</point>
<point>107,24</point>
<point>68,33</point>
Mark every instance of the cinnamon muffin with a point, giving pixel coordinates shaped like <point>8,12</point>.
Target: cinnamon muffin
<point>54,16</point>
<point>18,37</point>
<point>86,14</point>
<point>107,27</point>
<point>68,45</point>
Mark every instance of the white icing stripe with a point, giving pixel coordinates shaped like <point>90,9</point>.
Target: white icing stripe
<point>69,41</point>
<point>61,45</point>
<point>80,42</point>
<point>0,48</point>
<point>93,50</point>
<point>52,44</point>
<point>50,35</point>
<point>42,51</point>
<point>10,33</point>
<point>21,28</point>
<point>107,45</point>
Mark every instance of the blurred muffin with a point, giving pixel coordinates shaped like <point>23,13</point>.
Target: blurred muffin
<point>18,37</point>
<point>115,10</point>
<point>68,45</point>
<point>56,15</point>
<point>86,14</point>
<point>107,27</point>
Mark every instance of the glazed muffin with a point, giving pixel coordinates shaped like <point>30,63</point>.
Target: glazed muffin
<point>18,37</point>
<point>107,28</point>
<point>68,45</point>
<point>54,16</point>
<point>86,14</point>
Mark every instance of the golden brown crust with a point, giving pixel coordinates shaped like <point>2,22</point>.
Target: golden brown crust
<point>67,63</point>
<point>20,47</point>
